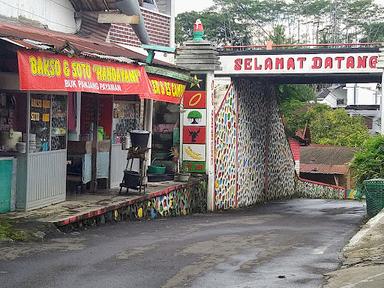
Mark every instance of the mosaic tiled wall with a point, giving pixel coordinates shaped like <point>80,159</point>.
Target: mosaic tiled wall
<point>225,153</point>
<point>312,190</point>
<point>252,140</point>
<point>281,166</point>
<point>259,165</point>
<point>184,200</point>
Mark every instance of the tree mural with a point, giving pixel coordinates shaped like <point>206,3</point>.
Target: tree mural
<point>195,116</point>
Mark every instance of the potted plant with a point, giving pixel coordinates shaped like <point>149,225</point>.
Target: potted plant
<point>181,174</point>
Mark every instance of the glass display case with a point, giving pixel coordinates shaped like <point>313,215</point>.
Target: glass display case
<point>59,122</point>
<point>48,123</point>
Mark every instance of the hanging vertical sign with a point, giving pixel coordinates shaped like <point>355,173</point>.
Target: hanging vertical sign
<point>194,125</point>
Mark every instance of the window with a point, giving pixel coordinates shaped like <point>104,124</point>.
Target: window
<point>340,101</point>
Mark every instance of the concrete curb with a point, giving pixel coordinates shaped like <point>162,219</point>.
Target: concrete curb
<point>371,224</point>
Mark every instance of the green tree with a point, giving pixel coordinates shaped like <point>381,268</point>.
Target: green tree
<point>336,127</point>
<point>374,32</point>
<point>293,104</point>
<point>368,162</point>
<point>219,28</point>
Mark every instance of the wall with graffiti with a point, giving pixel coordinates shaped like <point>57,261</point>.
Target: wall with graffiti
<point>253,159</point>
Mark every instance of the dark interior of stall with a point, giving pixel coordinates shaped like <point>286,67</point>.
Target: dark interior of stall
<point>165,142</point>
<point>13,105</point>
<point>105,119</point>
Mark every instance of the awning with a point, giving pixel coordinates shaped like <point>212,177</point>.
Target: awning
<point>54,61</point>
<point>165,89</point>
<point>42,71</point>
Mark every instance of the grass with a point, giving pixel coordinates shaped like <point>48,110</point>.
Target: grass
<point>9,232</point>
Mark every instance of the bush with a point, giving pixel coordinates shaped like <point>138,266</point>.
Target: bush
<point>369,161</point>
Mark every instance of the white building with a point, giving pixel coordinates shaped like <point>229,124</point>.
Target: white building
<point>358,99</point>
<point>57,15</point>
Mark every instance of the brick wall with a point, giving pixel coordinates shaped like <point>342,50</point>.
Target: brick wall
<point>158,28</point>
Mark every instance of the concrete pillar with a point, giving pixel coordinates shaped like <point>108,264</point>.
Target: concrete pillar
<point>201,58</point>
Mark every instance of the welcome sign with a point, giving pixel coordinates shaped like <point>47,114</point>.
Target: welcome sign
<point>335,63</point>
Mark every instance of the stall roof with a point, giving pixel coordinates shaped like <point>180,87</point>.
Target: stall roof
<point>94,5</point>
<point>41,39</point>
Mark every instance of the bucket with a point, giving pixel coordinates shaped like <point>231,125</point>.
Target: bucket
<point>139,138</point>
<point>153,169</point>
<point>131,179</point>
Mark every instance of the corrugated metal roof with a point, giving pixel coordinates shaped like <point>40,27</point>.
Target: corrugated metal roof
<point>41,39</point>
<point>94,5</point>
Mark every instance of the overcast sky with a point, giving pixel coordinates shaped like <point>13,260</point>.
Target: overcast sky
<point>197,5</point>
<point>189,5</point>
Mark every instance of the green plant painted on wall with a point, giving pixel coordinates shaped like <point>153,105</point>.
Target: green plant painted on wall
<point>195,116</point>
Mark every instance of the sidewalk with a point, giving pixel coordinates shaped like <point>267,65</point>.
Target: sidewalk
<point>160,199</point>
<point>363,266</point>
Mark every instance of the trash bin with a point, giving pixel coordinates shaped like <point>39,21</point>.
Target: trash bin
<point>374,195</point>
<point>139,138</point>
<point>6,171</point>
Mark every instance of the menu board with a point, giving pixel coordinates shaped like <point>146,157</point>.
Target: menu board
<point>126,117</point>
<point>59,122</point>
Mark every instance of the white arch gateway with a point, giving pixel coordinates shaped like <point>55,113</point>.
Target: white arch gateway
<point>304,65</point>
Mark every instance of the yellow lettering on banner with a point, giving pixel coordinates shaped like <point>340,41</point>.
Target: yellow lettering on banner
<point>33,65</point>
<point>81,70</point>
<point>155,86</point>
<point>66,70</point>
<point>42,66</point>
<point>116,75</point>
<point>178,89</point>
<point>167,88</point>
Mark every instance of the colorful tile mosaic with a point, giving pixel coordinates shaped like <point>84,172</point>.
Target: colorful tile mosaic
<point>253,158</point>
<point>252,140</point>
<point>225,153</point>
<point>281,166</point>
<point>181,200</point>
<point>314,190</point>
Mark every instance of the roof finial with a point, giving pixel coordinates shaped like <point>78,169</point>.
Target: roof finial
<point>198,31</point>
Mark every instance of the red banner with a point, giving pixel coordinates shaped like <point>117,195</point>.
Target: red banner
<point>52,72</point>
<point>166,89</point>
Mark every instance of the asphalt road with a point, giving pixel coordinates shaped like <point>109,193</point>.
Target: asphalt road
<point>282,244</point>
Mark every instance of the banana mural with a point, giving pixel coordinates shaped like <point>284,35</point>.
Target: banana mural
<point>194,155</point>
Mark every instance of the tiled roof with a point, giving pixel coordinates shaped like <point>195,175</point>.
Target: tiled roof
<point>325,159</point>
<point>324,169</point>
<point>330,155</point>
<point>295,148</point>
